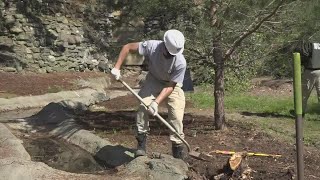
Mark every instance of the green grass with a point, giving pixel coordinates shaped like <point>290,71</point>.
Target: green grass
<point>244,102</point>
<point>258,104</point>
<point>269,113</point>
<point>201,100</point>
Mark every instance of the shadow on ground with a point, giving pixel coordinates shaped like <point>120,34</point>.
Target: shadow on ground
<point>125,121</point>
<point>265,114</point>
<point>113,156</point>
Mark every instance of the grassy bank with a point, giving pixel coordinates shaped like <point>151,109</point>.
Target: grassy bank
<point>269,113</point>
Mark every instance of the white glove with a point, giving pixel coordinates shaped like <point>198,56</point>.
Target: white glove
<point>153,108</point>
<point>116,73</point>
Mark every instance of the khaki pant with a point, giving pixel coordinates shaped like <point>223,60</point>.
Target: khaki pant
<point>175,103</point>
<point>310,79</point>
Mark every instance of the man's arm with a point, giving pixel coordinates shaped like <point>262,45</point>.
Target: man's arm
<point>130,47</point>
<point>304,48</point>
<point>166,91</point>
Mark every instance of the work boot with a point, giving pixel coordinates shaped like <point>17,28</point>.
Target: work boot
<point>177,151</point>
<point>141,148</point>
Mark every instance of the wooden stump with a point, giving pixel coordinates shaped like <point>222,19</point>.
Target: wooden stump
<point>237,168</point>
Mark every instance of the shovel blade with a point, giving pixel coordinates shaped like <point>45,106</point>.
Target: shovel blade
<point>199,156</point>
<point>194,154</point>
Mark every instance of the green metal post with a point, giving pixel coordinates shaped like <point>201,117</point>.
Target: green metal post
<point>298,109</point>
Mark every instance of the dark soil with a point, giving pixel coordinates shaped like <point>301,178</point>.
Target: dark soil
<point>61,155</point>
<point>117,124</point>
<point>36,84</point>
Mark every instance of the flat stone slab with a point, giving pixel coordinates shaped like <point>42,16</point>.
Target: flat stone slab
<point>17,169</point>
<point>86,96</point>
<point>10,146</point>
<point>16,164</point>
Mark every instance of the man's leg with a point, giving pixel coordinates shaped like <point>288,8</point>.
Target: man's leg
<point>147,93</point>
<point>142,127</point>
<point>176,105</point>
<point>307,86</point>
<point>316,75</point>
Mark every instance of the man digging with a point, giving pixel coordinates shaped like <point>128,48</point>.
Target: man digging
<point>163,84</point>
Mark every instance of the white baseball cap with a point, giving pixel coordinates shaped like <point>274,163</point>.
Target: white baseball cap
<point>174,41</point>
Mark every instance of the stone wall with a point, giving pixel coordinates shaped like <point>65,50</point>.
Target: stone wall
<point>66,35</point>
<point>45,43</point>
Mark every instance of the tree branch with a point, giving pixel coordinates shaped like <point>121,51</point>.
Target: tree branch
<point>251,29</point>
<point>213,11</point>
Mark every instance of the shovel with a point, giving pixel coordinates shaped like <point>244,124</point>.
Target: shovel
<point>192,153</point>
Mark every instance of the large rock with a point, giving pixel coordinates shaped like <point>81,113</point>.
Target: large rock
<point>161,167</point>
<point>86,97</point>
<point>61,122</point>
<point>11,147</point>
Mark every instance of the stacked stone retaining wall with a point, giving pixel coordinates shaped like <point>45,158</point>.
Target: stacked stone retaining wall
<point>47,42</point>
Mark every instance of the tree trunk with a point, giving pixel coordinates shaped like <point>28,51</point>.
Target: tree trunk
<point>220,57</point>
<point>219,114</point>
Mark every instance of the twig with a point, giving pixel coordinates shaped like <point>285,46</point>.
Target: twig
<point>314,176</point>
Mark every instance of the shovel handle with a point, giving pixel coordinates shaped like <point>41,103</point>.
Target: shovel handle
<point>133,92</point>
<point>174,131</point>
<point>249,153</point>
<point>157,115</point>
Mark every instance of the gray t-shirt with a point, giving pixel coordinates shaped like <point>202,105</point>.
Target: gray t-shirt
<point>163,69</point>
